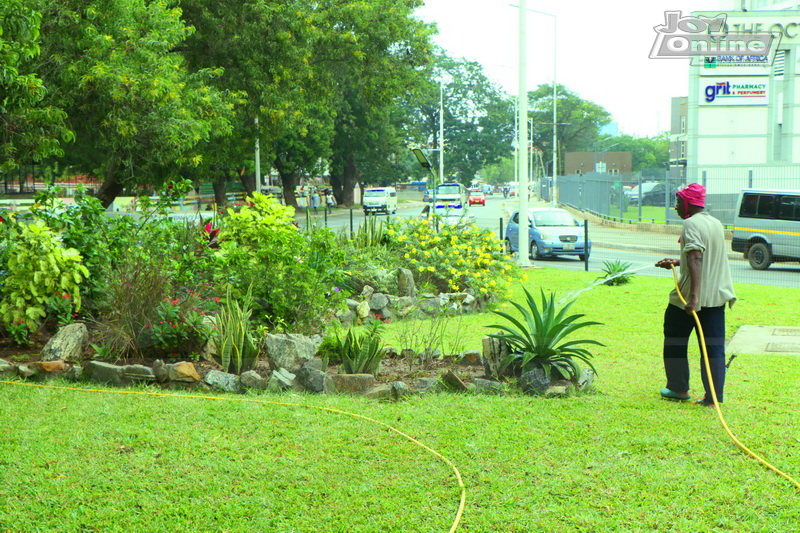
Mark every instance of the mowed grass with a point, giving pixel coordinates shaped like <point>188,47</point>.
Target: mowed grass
<point>620,459</point>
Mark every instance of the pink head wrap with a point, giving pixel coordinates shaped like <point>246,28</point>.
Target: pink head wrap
<point>692,194</point>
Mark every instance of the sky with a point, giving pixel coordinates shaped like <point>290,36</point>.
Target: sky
<point>602,50</point>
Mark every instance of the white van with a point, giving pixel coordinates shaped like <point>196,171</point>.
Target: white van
<point>767,226</point>
<point>379,200</point>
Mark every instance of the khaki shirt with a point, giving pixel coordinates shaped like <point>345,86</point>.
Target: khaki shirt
<point>705,233</point>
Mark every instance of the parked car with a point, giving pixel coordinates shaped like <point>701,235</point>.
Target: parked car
<point>652,193</point>
<point>477,198</point>
<point>551,231</point>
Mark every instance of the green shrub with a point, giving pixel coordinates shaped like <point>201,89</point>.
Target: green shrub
<point>539,340</point>
<point>237,348</point>
<point>361,353</point>
<point>39,267</point>
<point>455,258</point>
<point>294,276</point>
<point>616,272</point>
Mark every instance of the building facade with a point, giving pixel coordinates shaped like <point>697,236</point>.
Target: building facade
<point>743,110</point>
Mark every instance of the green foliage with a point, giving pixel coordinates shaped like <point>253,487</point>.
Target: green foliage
<point>361,353</point>
<point>20,332</point>
<point>31,130</point>
<point>456,258</point>
<point>539,339</point>
<point>178,328</point>
<point>135,290</point>
<point>371,234</point>
<point>237,348</point>
<point>39,267</point>
<point>61,309</point>
<point>293,276</point>
<point>616,272</point>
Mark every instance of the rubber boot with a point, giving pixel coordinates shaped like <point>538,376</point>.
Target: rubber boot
<point>718,374</point>
<point>677,370</point>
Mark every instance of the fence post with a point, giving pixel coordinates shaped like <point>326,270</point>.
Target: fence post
<point>501,228</point>
<point>586,245</point>
<point>352,234</point>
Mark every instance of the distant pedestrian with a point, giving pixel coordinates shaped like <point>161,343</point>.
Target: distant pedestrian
<point>314,201</point>
<point>330,201</point>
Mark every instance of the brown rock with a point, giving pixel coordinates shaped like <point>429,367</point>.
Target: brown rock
<point>183,372</point>
<point>51,366</point>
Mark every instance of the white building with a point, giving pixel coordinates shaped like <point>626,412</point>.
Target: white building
<point>743,107</point>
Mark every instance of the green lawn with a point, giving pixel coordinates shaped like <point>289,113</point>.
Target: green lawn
<point>618,460</point>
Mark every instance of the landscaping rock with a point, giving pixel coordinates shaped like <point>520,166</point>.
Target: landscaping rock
<point>379,392</point>
<point>50,369</point>
<point>586,379</point>
<point>487,386</point>
<point>559,388</point>
<point>316,381</point>
<point>223,381</point>
<point>137,373</point>
<point>252,380</point>
<point>290,351</point>
<point>534,382</point>
<point>431,306</point>
<point>183,372</point>
<point>378,302</point>
<point>367,292</point>
<point>27,372</point>
<point>68,344</point>
<point>454,381</point>
<point>7,369</point>
<point>494,353</point>
<point>470,358</point>
<point>74,373</point>
<point>427,385</point>
<point>281,380</point>
<point>405,283</point>
<point>160,371</point>
<point>362,310</point>
<point>346,318</point>
<point>313,364</point>
<point>353,383</point>
<point>101,372</point>
<point>400,390</point>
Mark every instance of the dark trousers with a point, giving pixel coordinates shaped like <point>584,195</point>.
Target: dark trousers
<point>678,326</point>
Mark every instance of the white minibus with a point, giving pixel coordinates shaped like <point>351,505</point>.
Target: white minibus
<point>767,226</point>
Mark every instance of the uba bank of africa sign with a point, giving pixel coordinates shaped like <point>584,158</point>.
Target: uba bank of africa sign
<point>734,91</point>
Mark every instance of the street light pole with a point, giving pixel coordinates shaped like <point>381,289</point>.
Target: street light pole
<point>441,135</point>
<point>523,258</point>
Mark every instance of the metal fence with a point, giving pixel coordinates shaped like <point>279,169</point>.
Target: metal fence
<point>604,194</point>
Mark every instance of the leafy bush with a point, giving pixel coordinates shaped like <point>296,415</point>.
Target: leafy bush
<point>455,258</point>
<point>616,272</point>
<point>293,276</point>
<point>539,339</point>
<point>39,267</point>
<point>179,328</point>
<point>361,353</point>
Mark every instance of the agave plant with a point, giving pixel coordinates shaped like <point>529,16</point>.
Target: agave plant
<point>361,354</point>
<point>539,339</point>
<point>616,272</point>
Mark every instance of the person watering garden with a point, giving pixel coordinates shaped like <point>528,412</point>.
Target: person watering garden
<point>705,283</point>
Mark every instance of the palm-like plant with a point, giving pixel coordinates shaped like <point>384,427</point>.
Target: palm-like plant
<point>538,340</point>
<point>616,272</point>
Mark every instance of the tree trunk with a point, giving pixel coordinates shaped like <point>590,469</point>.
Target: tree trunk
<point>219,192</point>
<point>288,182</point>
<point>248,182</point>
<point>343,188</point>
<point>111,187</point>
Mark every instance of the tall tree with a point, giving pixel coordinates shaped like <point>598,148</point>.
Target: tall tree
<point>478,120</point>
<point>374,54</point>
<point>577,121</point>
<point>265,49</point>
<point>29,130</point>
<point>137,110</point>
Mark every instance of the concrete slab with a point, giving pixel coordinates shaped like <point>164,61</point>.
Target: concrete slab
<point>765,340</point>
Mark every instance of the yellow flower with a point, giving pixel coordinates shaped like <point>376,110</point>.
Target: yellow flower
<point>407,256</point>
<point>422,269</point>
<point>493,283</point>
<point>484,289</point>
<point>431,269</point>
<point>524,277</point>
<point>390,232</point>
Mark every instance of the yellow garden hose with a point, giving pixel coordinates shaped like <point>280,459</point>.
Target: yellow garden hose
<point>714,391</point>
<point>287,404</point>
